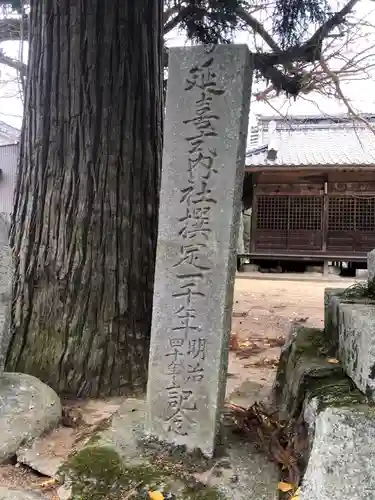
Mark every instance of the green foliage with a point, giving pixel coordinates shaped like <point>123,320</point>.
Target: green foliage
<point>208,21</point>
<point>292,19</point>
<point>214,21</point>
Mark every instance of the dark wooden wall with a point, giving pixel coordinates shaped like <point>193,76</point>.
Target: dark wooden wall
<point>309,213</point>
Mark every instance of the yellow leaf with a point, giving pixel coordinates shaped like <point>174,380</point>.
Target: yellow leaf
<point>244,344</point>
<point>156,495</point>
<point>333,361</point>
<point>284,487</point>
<point>296,495</point>
<point>50,483</point>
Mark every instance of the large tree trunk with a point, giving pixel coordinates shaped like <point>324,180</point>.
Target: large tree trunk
<point>85,219</point>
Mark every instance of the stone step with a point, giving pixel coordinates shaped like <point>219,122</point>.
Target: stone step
<point>338,456</point>
<point>350,323</point>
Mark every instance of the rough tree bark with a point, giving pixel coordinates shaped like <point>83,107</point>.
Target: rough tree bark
<point>85,220</point>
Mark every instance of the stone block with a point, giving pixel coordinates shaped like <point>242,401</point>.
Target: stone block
<point>336,455</point>
<point>28,409</point>
<point>250,268</point>
<point>303,363</point>
<point>200,200</point>
<point>334,270</point>
<point>361,274</point>
<point>314,269</point>
<point>357,344</point>
<point>341,465</point>
<point>371,265</point>
<point>332,298</point>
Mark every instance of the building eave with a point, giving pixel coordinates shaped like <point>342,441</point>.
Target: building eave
<point>321,168</point>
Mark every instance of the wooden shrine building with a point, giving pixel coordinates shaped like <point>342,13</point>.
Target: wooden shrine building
<point>313,189</point>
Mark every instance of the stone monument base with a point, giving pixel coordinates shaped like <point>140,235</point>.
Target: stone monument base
<point>122,459</point>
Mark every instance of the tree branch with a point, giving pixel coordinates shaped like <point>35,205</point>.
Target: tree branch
<point>13,63</point>
<point>332,23</point>
<point>11,29</point>
<point>174,22</point>
<point>258,27</point>
<point>309,50</point>
<point>341,95</point>
<point>170,12</point>
<point>286,79</point>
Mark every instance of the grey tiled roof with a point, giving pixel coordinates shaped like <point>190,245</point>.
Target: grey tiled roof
<point>299,144</point>
<point>8,134</point>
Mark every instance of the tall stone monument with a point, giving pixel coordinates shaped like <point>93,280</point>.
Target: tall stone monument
<point>205,134</point>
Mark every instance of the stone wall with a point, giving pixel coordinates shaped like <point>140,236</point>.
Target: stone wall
<point>326,379</point>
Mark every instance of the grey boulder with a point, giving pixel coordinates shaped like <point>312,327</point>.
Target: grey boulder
<point>10,494</point>
<point>342,460</point>
<point>28,408</point>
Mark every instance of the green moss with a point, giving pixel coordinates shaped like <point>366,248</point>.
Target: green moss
<point>338,392</point>
<point>40,356</point>
<point>94,439</point>
<point>304,358</point>
<point>99,472</point>
<point>311,342</point>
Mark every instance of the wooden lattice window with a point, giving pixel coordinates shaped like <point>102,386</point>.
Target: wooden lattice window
<point>279,213</point>
<point>272,213</point>
<point>305,213</point>
<point>351,214</point>
<point>365,214</point>
<point>341,214</point>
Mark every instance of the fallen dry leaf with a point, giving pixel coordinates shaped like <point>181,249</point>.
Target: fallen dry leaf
<point>233,342</point>
<point>246,352</point>
<point>264,362</point>
<point>283,441</point>
<point>49,484</point>
<point>275,342</point>
<point>133,492</point>
<point>72,417</point>
<point>88,430</point>
<point>296,495</point>
<point>285,487</point>
<point>333,361</point>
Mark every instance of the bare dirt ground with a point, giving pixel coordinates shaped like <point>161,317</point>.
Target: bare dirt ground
<point>263,313</point>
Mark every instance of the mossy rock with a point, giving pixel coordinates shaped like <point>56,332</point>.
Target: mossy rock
<point>123,458</point>
<point>332,299</point>
<point>99,472</point>
<point>337,392</point>
<point>119,459</point>
<point>303,363</point>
